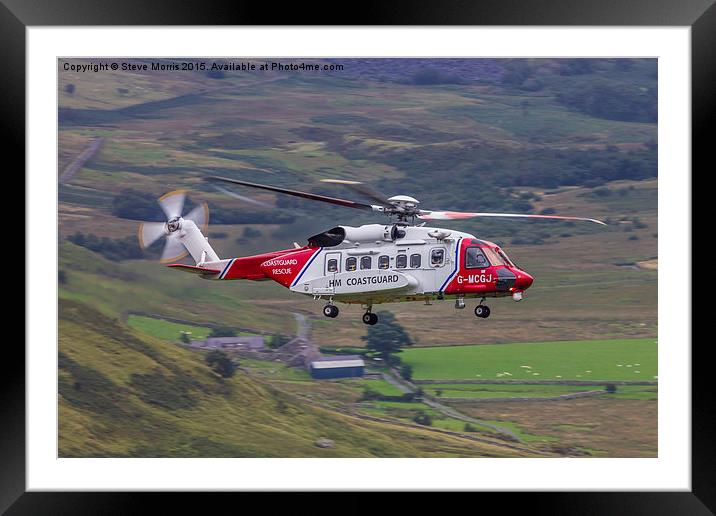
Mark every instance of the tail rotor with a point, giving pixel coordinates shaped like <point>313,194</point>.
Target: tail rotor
<point>183,234</point>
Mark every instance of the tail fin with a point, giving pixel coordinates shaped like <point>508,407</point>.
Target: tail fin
<point>196,243</point>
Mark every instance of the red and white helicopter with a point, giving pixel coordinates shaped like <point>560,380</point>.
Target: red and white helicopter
<point>366,265</point>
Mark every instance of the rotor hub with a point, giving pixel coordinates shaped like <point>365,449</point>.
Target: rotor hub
<point>174,224</point>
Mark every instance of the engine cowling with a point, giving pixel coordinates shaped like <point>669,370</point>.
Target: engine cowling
<point>370,233</point>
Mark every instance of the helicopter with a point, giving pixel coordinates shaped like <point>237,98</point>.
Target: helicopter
<point>399,261</point>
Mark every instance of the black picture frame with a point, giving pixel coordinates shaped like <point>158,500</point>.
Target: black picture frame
<point>700,15</point>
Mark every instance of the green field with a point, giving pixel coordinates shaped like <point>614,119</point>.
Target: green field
<point>165,330</point>
<point>602,360</point>
<point>382,387</point>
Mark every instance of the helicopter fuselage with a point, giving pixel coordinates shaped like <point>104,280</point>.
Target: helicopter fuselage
<point>376,263</point>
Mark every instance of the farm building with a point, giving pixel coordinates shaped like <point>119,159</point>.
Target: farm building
<point>298,352</point>
<point>252,343</point>
<point>342,366</point>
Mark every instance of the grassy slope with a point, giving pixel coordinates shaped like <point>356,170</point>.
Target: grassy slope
<point>125,394</point>
<point>166,330</point>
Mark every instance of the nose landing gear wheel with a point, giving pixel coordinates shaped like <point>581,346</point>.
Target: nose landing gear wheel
<point>330,311</point>
<point>370,318</point>
<point>482,311</point>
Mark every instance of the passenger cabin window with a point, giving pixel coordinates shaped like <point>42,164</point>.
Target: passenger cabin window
<point>366,262</point>
<point>383,261</point>
<point>401,261</point>
<point>437,257</point>
<point>475,258</point>
<point>351,263</point>
<point>415,261</point>
<point>332,265</point>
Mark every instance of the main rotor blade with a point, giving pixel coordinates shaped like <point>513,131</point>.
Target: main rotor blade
<point>242,197</point>
<point>362,188</point>
<point>150,232</point>
<point>172,203</point>
<point>296,193</point>
<point>457,215</point>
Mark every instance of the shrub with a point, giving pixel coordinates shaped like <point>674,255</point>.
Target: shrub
<point>221,364</point>
<point>222,331</point>
<point>423,419</point>
<point>369,394</point>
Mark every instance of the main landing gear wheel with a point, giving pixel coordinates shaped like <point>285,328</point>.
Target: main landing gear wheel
<point>330,311</point>
<point>370,318</point>
<point>482,311</point>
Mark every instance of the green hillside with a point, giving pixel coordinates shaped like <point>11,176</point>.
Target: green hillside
<point>122,394</point>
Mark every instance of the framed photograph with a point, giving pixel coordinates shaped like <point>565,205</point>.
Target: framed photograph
<point>378,257</point>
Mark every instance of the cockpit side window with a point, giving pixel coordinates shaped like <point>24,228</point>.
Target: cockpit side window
<point>475,258</point>
<point>494,258</point>
<point>504,257</point>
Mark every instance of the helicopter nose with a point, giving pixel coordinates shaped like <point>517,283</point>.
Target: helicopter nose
<point>524,280</point>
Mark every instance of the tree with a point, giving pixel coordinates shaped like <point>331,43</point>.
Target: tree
<point>610,388</point>
<point>221,364</point>
<point>406,372</point>
<point>387,337</point>
<point>184,337</point>
<point>222,331</point>
<point>278,340</point>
